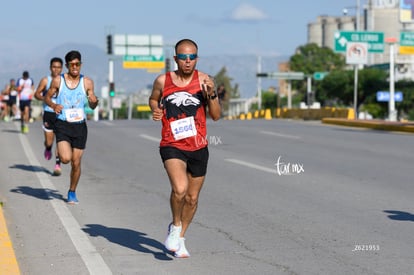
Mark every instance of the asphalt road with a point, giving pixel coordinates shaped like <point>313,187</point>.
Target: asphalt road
<point>280,197</point>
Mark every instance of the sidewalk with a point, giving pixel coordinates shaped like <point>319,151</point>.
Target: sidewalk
<point>383,125</point>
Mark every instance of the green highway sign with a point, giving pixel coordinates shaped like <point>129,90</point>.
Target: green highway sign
<point>375,40</point>
<point>407,39</point>
<point>380,66</point>
<point>406,43</point>
<point>143,58</point>
<point>319,75</point>
<point>283,75</point>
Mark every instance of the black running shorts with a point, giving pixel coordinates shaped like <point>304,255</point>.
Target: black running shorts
<point>74,133</point>
<point>196,160</point>
<point>49,120</point>
<point>23,104</point>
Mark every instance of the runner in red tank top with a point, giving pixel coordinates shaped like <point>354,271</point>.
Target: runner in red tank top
<point>180,99</point>
<point>181,103</point>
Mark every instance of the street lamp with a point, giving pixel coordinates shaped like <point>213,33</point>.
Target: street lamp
<point>392,114</point>
<point>357,13</point>
<point>357,27</point>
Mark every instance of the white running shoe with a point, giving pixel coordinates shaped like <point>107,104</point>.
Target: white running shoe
<point>172,243</point>
<point>182,252</point>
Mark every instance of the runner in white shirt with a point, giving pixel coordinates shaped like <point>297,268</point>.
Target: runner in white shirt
<point>25,87</point>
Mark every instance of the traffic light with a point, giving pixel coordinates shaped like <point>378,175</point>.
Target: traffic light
<point>112,89</point>
<point>109,44</point>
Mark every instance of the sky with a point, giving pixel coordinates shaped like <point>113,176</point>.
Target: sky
<point>266,27</point>
<point>30,29</point>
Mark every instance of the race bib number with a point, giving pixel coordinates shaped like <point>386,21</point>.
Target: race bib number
<point>183,128</point>
<point>74,115</point>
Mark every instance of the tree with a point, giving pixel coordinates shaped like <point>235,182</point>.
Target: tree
<point>338,86</point>
<point>336,89</point>
<point>311,58</point>
<point>221,78</point>
<point>370,82</point>
<point>406,107</point>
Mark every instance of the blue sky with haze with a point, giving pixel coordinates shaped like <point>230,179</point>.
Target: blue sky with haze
<point>266,27</point>
<point>30,30</point>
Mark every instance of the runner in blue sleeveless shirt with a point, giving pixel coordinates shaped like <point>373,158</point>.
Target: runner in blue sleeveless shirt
<point>49,116</point>
<point>72,90</point>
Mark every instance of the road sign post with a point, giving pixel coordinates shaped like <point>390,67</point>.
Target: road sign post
<point>375,44</point>
<point>286,76</point>
<point>392,113</point>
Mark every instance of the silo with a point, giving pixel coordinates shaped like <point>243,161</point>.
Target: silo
<point>315,32</point>
<point>346,23</point>
<point>329,29</point>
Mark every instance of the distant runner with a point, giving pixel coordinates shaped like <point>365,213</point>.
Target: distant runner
<point>25,87</point>
<point>49,116</point>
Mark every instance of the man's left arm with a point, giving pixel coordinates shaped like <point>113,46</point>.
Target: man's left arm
<point>90,94</point>
<point>214,107</point>
<point>209,88</point>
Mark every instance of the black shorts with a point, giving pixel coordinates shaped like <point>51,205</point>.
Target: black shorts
<point>196,160</point>
<point>23,104</point>
<point>12,100</point>
<point>74,133</point>
<point>49,120</point>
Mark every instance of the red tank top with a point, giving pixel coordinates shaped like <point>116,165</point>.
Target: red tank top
<point>184,120</point>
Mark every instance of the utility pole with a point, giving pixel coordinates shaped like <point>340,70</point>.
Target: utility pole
<point>309,90</point>
<point>110,73</point>
<point>356,66</point>
<point>392,113</point>
<point>259,82</point>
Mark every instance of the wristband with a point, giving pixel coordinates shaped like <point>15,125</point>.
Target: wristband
<point>212,96</point>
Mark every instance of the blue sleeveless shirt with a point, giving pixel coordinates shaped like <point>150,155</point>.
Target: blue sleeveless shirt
<point>46,107</point>
<point>73,101</point>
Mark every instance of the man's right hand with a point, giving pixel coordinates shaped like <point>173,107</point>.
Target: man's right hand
<point>157,113</point>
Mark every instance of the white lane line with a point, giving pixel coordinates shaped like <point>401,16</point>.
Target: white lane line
<point>252,165</point>
<point>90,256</point>
<point>280,135</point>
<point>156,139</point>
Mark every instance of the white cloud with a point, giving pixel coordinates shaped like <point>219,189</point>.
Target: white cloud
<point>247,12</point>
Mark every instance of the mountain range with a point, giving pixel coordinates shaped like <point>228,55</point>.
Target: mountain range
<point>241,69</point>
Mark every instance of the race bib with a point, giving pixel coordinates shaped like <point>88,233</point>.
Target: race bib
<point>74,115</point>
<point>183,128</point>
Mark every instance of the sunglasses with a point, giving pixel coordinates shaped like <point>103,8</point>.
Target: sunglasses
<point>182,56</point>
<point>74,64</point>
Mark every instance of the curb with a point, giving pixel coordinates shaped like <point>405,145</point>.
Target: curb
<point>8,262</point>
<point>372,124</point>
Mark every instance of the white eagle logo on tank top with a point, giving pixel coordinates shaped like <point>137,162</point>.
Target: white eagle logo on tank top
<point>183,98</point>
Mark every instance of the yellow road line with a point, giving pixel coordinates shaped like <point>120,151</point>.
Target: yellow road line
<point>8,262</point>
